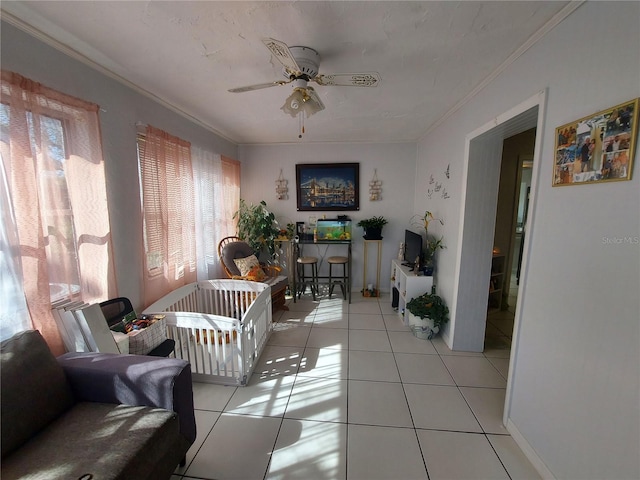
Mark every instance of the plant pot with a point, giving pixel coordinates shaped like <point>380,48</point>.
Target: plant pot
<point>373,234</point>
<point>422,327</point>
<point>427,269</point>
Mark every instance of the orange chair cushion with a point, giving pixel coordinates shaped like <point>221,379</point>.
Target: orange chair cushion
<point>256,274</point>
<point>246,264</point>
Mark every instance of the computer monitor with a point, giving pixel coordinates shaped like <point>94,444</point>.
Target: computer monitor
<point>412,247</point>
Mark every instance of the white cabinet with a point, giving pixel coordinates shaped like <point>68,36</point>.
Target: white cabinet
<point>408,286</point>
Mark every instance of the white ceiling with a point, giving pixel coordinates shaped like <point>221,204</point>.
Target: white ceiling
<point>431,56</point>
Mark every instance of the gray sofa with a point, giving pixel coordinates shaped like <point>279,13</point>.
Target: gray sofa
<point>91,415</point>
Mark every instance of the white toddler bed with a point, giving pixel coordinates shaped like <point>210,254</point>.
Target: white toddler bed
<point>220,327</point>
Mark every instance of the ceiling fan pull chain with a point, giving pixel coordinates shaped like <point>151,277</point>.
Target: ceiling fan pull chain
<point>301,116</point>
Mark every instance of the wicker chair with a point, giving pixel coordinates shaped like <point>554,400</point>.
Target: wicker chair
<point>231,248</point>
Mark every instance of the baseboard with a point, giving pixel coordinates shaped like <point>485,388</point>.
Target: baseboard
<point>529,452</point>
<point>446,339</point>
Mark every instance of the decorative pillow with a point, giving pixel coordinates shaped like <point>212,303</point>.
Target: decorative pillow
<point>246,264</point>
<point>256,274</point>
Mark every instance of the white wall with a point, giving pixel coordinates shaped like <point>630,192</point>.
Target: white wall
<point>395,164</point>
<point>121,109</point>
<point>576,378</point>
<point>575,381</point>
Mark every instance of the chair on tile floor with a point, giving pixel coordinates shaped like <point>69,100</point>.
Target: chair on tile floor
<point>233,248</point>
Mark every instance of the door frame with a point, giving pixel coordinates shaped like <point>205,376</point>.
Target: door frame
<point>481,172</point>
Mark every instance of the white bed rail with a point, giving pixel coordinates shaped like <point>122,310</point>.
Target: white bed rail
<point>220,327</point>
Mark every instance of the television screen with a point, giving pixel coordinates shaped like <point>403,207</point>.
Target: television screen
<point>412,247</point>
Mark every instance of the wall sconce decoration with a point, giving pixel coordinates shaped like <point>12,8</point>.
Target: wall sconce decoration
<point>282,190</point>
<point>375,187</point>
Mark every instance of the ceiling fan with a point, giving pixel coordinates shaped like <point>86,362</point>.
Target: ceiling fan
<point>301,66</point>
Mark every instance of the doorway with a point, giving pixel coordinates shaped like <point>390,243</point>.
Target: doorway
<point>483,151</point>
<point>514,184</point>
<point>481,176</point>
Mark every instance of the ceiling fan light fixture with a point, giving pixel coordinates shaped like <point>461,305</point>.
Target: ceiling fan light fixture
<point>294,102</point>
<point>300,101</point>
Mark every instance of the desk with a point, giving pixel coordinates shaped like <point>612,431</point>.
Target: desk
<point>297,252</point>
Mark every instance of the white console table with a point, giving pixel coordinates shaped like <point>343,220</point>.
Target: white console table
<point>409,285</point>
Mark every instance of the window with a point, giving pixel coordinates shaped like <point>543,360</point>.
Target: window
<point>54,219</point>
<point>217,181</point>
<point>168,204</point>
<point>189,195</point>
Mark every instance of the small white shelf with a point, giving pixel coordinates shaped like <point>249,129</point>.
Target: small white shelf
<point>409,285</point>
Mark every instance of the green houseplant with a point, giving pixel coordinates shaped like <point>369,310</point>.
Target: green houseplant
<point>432,244</point>
<point>373,227</point>
<point>258,227</point>
<point>428,313</point>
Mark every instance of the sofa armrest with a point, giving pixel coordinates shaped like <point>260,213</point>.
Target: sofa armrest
<point>133,380</point>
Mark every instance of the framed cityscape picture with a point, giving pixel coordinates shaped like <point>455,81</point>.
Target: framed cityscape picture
<point>597,148</point>
<point>328,186</point>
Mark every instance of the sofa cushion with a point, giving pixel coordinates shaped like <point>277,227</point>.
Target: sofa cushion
<point>34,388</point>
<point>133,380</point>
<point>122,442</point>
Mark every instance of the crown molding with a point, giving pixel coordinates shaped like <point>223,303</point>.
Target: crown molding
<point>70,52</point>
<point>531,41</point>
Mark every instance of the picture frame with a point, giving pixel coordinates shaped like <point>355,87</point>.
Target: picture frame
<point>597,148</point>
<point>328,186</point>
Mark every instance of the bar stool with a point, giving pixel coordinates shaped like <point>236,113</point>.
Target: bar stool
<point>342,281</point>
<point>304,280</point>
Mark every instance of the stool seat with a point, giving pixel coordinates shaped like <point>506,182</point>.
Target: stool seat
<point>337,260</point>
<point>307,260</point>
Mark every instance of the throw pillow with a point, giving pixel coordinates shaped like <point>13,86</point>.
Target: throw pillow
<point>246,264</point>
<point>256,274</point>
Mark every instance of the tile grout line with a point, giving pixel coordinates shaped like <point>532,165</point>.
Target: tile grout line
<point>347,385</point>
<point>284,412</point>
<point>404,392</point>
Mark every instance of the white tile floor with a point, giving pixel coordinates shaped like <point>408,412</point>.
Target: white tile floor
<point>346,392</point>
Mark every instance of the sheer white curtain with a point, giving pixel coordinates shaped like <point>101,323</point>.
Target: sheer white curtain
<point>168,206</point>
<point>217,181</point>
<point>14,316</point>
<point>52,157</point>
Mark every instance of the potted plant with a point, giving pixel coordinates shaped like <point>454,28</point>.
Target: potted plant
<point>373,227</point>
<point>432,244</point>
<point>258,227</point>
<point>287,233</point>
<point>427,314</point>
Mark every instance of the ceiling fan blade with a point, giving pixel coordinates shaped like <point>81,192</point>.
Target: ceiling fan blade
<point>259,86</point>
<point>281,51</point>
<point>314,97</point>
<point>348,79</point>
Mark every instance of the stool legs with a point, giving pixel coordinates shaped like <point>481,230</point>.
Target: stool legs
<point>304,280</point>
<point>314,279</point>
<point>342,281</point>
<point>330,280</point>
